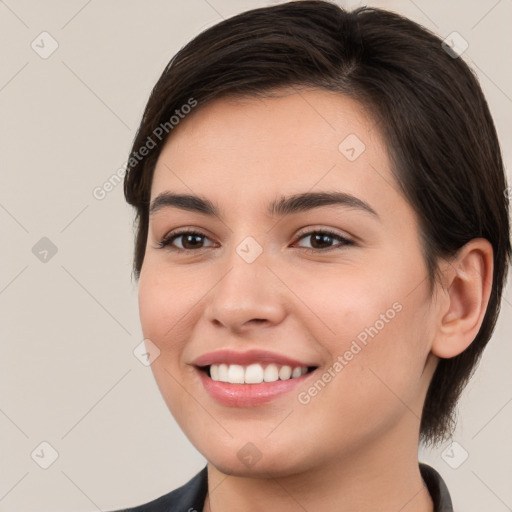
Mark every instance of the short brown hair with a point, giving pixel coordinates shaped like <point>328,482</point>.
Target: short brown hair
<point>431,110</point>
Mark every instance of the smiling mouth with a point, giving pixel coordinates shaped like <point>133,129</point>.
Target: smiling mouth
<point>254,373</point>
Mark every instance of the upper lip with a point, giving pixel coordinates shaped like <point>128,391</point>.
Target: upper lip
<point>247,357</point>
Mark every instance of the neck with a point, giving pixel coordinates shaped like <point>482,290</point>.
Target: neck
<point>380,476</point>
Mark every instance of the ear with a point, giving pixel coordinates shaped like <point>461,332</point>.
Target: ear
<point>467,284</point>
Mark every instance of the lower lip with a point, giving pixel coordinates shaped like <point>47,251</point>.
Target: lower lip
<point>248,395</point>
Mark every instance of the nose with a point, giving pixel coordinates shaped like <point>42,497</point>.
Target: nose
<point>247,296</point>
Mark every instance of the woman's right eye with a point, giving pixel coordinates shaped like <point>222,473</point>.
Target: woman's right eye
<point>192,239</point>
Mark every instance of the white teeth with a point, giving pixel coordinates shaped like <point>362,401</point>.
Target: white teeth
<point>297,372</point>
<point>254,373</point>
<point>285,372</point>
<point>214,372</point>
<point>271,373</point>
<point>236,374</point>
<point>223,372</point>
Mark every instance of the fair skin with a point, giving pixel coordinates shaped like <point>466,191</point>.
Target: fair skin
<point>353,445</point>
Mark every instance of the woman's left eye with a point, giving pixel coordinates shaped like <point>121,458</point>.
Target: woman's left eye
<point>322,239</point>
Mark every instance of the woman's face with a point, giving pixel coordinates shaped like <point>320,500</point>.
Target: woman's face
<point>259,293</point>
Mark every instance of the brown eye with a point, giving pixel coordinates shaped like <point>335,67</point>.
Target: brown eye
<point>190,241</point>
<point>321,240</point>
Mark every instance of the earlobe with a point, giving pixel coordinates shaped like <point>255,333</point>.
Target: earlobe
<point>467,287</point>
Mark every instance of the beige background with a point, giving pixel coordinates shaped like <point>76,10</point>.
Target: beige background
<point>69,325</point>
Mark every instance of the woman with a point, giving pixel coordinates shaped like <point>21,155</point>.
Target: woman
<point>322,244</point>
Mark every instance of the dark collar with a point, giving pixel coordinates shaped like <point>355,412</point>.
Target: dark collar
<point>190,497</point>
<point>437,489</point>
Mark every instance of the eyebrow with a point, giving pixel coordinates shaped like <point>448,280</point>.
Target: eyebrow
<point>281,207</point>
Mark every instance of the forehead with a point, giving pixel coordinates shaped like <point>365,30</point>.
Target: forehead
<point>240,149</point>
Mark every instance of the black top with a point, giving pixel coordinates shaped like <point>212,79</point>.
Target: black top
<point>190,497</point>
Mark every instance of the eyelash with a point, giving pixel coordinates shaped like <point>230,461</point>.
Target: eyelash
<point>167,241</point>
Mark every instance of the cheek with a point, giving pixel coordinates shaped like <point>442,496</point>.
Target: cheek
<point>163,309</point>
<point>375,324</point>
<point>375,379</point>
<point>348,302</point>
<point>154,306</point>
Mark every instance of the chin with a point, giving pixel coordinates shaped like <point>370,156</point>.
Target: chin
<point>249,461</point>
<point>261,469</point>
